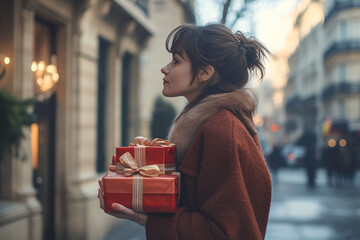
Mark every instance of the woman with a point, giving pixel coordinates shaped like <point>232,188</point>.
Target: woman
<point>226,186</point>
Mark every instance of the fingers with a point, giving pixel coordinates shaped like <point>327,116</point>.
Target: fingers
<point>101,185</point>
<point>101,195</point>
<point>101,198</point>
<point>122,209</point>
<point>117,215</point>
<point>124,212</point>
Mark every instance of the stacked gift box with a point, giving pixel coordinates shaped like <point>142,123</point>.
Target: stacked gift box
<point>143,177</point>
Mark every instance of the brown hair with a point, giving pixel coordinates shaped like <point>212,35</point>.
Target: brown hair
<point>231,55</point>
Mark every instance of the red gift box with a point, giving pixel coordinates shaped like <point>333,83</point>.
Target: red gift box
<point>143,194</point>
<point>163,156</point>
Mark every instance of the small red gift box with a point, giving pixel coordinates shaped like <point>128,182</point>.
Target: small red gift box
<point>143,194</point>
<point>163,156</point>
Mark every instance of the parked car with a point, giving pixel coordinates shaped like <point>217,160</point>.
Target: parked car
<point>293,154</point>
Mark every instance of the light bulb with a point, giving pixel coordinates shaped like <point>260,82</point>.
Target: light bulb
<point>6,60</point>
<point>55,76</point>
<point>34,66</point>
<point>41,66</point>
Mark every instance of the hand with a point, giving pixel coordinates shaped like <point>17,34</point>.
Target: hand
<point>121,211</point>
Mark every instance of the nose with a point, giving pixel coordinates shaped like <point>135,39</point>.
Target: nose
<point>165,70</point>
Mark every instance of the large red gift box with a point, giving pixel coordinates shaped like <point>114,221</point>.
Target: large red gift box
<point>143,194</point>
<point>163,156</point>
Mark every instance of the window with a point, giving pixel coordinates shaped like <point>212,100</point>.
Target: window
<point>342,109</point>
<point>342,31</point>
<point>125,102</point>
<point>353,109</point>
<point>342,72</point>
<point>101,104</point>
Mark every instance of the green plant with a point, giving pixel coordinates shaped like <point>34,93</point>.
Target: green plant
<point>162,116</point>
<point>13,116</point>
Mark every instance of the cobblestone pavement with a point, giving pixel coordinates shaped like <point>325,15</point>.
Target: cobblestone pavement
<point>297,212</point>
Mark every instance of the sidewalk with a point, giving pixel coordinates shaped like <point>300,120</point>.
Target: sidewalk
<point>323,213</point>
<point>297,213</point>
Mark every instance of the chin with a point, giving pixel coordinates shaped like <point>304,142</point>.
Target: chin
<point>166,94</point>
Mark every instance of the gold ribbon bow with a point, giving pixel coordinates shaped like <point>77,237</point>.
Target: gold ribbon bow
<point>131,167</point>
<point>143,141</point>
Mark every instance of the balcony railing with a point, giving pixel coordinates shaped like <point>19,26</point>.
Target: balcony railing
<point>292,103</point>
<point>342,47</point>
<point>142,4</point>
<point>341,89</point>
<point>340,6</point>
<point>299,104</point>
<point>310,100</point>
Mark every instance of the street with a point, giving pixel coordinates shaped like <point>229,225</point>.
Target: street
<point>322,213</point>
<point>297,212</point>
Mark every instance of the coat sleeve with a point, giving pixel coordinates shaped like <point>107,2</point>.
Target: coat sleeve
<point>225,209</point>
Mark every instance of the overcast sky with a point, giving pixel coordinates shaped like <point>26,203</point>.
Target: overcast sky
<point>265,19</point>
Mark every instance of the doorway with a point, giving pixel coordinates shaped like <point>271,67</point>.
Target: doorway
<point>43,130</point>
<point>44,166</point>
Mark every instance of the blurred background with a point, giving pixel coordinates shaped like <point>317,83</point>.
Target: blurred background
<point>78,78</point>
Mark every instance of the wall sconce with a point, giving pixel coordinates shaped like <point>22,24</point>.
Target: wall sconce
<point>3,62</point>
<point>45,76</point>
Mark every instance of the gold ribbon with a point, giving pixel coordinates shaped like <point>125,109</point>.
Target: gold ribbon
<point>129,166</point>
<point>140,143</point>
<point>143,141</point>
<point>137,194</point>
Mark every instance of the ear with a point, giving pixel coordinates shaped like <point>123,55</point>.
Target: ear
<point>206,73</point>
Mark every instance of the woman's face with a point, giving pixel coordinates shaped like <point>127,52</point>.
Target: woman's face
<point>177,79</point>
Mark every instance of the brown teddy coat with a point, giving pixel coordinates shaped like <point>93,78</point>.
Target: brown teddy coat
<point>225,183</point>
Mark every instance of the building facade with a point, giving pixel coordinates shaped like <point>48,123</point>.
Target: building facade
<point>341,61</point>
<point>322,86</point>
<point>81,61</point>
<point>304,85</point>
<point>298,60</point>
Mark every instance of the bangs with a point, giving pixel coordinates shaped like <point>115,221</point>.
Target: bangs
<point>178,40</point>
<point>183,40</point>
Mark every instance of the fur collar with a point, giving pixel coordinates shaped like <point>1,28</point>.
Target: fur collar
<point>187,124</point>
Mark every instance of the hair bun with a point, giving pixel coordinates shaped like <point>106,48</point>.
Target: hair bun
<point>253,50</point>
